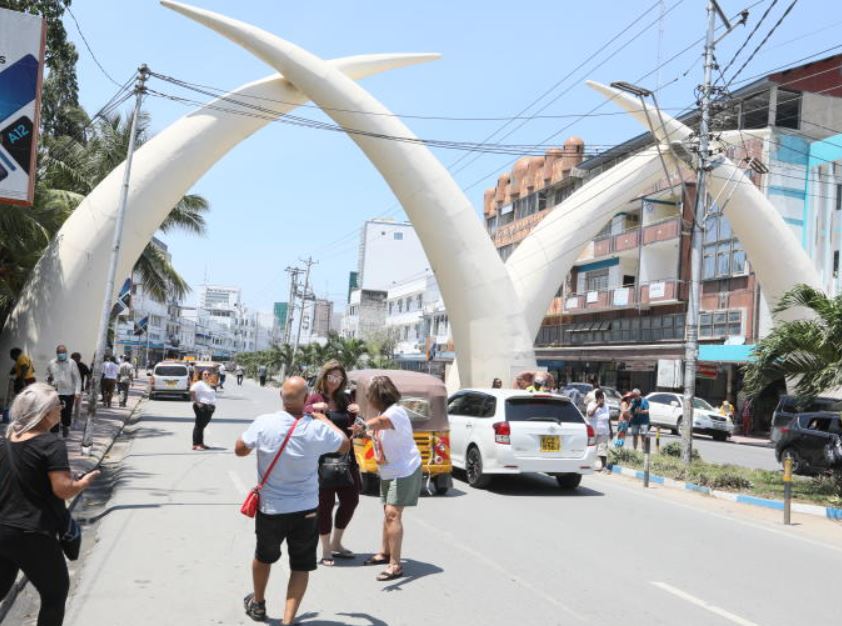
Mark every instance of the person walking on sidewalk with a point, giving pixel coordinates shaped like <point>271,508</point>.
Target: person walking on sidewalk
<point>110,374</point>
<point>261,374</point>
<point>639,425</point>
<point>204,404</point>
<point>23,371</point>
<point>35,481</point>
<point>240,373</point>
<point>126,376</point>
<point>290,496</point>
<point>84,370</point>
<point>331,400</point>
<point>63,374</point>
<point>222,375</point>
<point>600,420</point>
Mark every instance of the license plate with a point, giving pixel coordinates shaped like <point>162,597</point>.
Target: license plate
<point>550,443</point>
<point>171,383</point>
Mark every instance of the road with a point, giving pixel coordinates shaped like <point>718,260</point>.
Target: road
<point>757,457</point>
<point>172,548</point>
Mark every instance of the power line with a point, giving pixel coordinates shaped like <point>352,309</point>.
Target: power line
<point>88,46</point>
<point>747,39</point>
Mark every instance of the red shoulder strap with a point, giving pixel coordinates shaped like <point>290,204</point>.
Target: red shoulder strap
<point>278,455</point>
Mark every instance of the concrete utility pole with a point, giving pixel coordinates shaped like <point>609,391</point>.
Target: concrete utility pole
<point>309,262</point>
<point>293,289</point>
<point>691,348</point>
<point>96,374</point>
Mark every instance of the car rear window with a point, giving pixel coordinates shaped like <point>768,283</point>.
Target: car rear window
<point>525,409</point>
<point>170,370</point>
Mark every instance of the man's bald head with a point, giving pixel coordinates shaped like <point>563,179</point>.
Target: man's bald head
<point>294,395</point>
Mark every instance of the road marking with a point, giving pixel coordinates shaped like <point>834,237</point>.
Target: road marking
<point>701,603</point>
<point>238,484</point>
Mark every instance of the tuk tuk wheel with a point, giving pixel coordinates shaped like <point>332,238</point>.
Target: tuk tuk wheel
<point>370,484</point>
<point>442,485</point>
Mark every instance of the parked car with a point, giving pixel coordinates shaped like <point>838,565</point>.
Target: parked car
<point>577,392</point>
<point>612,399</point>
<point>169,378</point>
<point>789,408</point>
<point>667,409</point>
<point>509,431</point>
<point>809,440</point>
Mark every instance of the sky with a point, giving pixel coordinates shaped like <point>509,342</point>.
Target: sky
<point>289,192</point>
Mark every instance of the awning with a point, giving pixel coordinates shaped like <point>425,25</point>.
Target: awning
<point>720,353</point>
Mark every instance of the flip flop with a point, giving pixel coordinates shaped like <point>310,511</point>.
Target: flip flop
<point>327,562</point>
<point>387,575</point>
<point>343,554</point>
<point>374,560</point>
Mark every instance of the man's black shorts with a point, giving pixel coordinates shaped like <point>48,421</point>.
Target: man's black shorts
<point>300,532</point>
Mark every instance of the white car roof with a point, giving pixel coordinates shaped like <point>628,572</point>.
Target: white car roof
<point>505,394</point>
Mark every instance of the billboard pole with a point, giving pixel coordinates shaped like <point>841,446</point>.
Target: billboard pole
<point>96,374</point>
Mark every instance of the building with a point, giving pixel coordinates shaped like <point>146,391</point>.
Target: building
<point>620,313</point>
<point>390,252</point>
<point>365,315</point>
<point>280,311</point>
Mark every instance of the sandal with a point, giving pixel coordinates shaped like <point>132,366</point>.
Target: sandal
<point>343,554</point>
<point>255,610</point>
<point>390,575</point>
<point>327,562</point>
<point>377,559</point>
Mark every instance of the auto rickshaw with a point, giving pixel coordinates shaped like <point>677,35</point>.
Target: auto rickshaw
<point>202,366</point>
<point>425,399</point>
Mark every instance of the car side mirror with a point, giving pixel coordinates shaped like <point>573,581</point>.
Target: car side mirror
<point>674,403</point>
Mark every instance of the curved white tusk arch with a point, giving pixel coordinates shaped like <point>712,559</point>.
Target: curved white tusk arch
<point>486,316</point>
<point>62,299</point>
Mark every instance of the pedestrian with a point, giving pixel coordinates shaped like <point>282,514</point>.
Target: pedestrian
<point>110,374</point>
<point>399,466</point>
<point>726,409</point>
<point>537,384</point>
<point>63,374</point>
<point>330,399</point>
<point>84,370</point>
<point>261,375</point>
<point>125,377</point>
<point>35,481</point>
<point>591,395</point>
<point>204,404</point>
<point>23,371</point>
<point>496,384</point>
<point>222,375</point>
<point>240,373</point>
<point>745,417</point>
<point>639,424</point>
<point>290,496</point>
<point>600,419</point>
<point>623,420</point>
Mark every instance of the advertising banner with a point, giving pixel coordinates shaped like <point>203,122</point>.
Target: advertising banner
<point>22,42</point>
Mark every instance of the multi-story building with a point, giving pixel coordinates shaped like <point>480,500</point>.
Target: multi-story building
<point>619,315</point>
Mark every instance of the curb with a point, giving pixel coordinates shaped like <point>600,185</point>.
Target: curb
<point>828,512</point>
<point>8,602</point>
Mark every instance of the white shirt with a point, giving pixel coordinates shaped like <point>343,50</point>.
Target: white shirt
<point>399,448</point>
<point>64,376</point>
<point>126,371</point>
<point>110,370</point>
<point>222,368</point>
<point>204,392</point>
<point>599,417</point>
<point>293,484</point>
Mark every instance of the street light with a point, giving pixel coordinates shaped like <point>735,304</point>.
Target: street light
<point>640,92</point>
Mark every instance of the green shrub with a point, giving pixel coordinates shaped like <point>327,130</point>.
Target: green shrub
<point>625,456</point>
<point>673,448</point>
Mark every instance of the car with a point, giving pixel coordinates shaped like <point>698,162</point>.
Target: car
<point>789,407</point>
<point>612,399</point>
<point>577,392</point>
<point>666,409</point>
<point>808,439</point>
<point>510,431</point>
<point>169,378</point>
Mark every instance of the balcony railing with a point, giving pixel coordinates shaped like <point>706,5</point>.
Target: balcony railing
<point>665,291</point>
<point>663,230</point>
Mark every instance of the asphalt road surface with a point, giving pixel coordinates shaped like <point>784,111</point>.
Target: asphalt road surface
<point>172,548</point>
<point>757,457</point>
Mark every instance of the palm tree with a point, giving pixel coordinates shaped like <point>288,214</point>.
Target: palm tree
<point>807,351</point>
<point>347,350</point>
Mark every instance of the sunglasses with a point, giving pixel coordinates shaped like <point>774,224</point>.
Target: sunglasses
<point>334,378</point>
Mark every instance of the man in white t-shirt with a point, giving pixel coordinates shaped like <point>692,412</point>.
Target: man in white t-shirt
<point>110,372</point>
<point>290,498</point>
<point>599,417</point>
<point>204,404</point>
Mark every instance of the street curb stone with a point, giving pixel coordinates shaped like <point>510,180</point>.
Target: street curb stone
<point>828,512</point>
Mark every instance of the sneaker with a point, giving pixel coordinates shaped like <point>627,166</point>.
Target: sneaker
<point>255,610</point>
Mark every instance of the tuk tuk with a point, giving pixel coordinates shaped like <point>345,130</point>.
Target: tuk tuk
<point>425,399</point>
<point>202,366</point>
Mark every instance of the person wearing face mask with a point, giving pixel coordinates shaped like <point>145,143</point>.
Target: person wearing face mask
<point>63,374</point>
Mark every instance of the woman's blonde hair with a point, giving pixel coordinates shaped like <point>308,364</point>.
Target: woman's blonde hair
<point>340,397</point>
<point>382,392</point>
<point>31,405</point>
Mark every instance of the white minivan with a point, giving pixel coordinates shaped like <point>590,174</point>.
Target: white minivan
<point>169,378</point>
<point>509,431</point>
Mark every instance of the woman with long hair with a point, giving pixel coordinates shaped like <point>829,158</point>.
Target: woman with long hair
<point>35,481</point>
<point>331,400</point>
<point>399,466</point>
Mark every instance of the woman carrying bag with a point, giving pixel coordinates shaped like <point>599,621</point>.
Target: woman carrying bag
<point>35,481</point>
<point>339,476</point>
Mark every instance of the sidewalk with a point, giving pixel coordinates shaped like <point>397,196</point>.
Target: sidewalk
<point>760,442</point>
<point>107,426</point>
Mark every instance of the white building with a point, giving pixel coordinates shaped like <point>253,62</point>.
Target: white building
<point>390,253</point>
<point>405,304</point>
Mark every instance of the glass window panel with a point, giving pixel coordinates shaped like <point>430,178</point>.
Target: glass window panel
<point>734,316</point>
<point>719,318</point>
<point>724,228</point>
<point>738,262</point>
<point>710,228</point>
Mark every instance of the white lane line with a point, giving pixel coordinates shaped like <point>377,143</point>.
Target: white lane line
<point>701,603</point>
<point>238,484</point>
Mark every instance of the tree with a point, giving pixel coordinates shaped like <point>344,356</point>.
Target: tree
<point>807,351</point>
<point>346,350</point>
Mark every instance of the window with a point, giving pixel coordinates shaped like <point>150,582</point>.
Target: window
<point>419,301</point>
<point>397,236</point>
<point>720,323</point>
<point>391,306</point>
<point>661,398</point>
<point>542,409</point>
<point>838,200</point>
<point>788,110</point>
<point>400,306</point>
<point>596,280</point>
<point>722,255</point>
<point>836,263</point>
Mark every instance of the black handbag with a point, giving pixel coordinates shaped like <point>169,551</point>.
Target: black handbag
<point>335,471</point>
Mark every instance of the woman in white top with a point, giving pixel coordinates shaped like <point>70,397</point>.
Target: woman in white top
<point>204,404</point>
<point>600,420</point>
<point>399,465</point>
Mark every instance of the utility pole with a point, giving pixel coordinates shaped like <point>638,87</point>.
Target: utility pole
<point>309,262</point>
<point>293,288</point>
<point>691,347</point>
<point>96,374</point>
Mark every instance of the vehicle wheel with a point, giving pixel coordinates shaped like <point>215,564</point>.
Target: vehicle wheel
<point>677,430</point>
<point>370,484</point>
<point>568,481</point>
<point>473,469</point>
<point>720,436</point>
<point>442,485</point>
<point>797,463</point>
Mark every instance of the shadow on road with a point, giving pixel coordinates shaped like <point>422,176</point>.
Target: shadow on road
<point>214,420</point>
<point>537,485</point>
<point>312,619</point>
<point>136,507</point>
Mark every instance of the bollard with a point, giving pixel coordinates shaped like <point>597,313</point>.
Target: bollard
<point>787,489</point>
<point>646,447</point>
<point>658,440</point>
